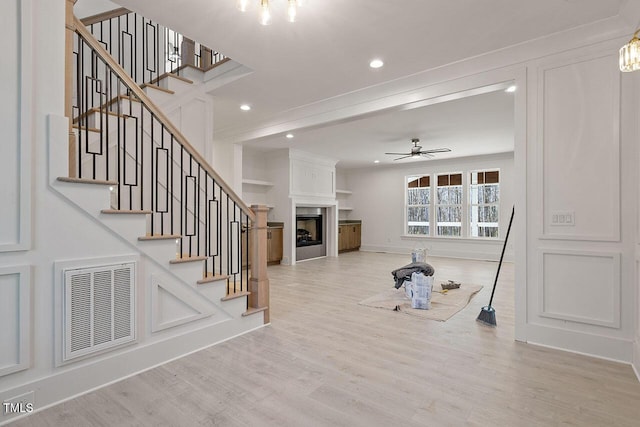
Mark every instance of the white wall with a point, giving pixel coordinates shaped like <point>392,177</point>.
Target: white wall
<point>378,200</point>
<point>86,8</point>
<point>582,159</point>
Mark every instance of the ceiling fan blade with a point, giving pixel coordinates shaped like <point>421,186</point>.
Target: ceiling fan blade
<point>427,155</point>
<point>437,150</point>
<point>399,154</point>
<point>403,157</point>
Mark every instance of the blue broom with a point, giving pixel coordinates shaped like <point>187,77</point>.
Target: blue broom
<point>488,314</point>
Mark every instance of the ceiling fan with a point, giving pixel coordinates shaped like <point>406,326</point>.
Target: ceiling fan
<point>416,151</point>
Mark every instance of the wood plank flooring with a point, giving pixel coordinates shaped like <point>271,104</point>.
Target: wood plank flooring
<point>327,361</point>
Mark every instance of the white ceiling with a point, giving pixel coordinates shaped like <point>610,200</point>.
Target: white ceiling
<point>326,54</point>
<point>469,126</point>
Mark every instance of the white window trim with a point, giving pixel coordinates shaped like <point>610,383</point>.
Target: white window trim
<point>462,205</point>
<point>469,204</point>
<point>406,206</point>
<point>465,230</point>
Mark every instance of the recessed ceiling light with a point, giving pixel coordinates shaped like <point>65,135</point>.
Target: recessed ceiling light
<point>376,161</point>
<point>511,89</point>
<point>376,63</point>
<point>289,135</point>
<point>245,107</point>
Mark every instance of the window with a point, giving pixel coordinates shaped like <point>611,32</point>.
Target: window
<point>484,203</point>
<point>449,205</point>
<point>418,200</point>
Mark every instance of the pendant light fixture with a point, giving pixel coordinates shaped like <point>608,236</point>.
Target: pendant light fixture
<point>265,12</point>
<point>292,10</point>
<point>630,54</point>
<point>265,9</point>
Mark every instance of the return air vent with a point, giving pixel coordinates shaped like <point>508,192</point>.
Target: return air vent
<point>99,309</point>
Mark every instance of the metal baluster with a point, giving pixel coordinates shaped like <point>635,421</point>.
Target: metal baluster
<point>118,150</point>
<point>198,209</point>
<point>141,148</point>
<point>182,199</point>
<point>172,178</point>
<point>108,72</point>
<point>219,235</point>
<point>152,190</point>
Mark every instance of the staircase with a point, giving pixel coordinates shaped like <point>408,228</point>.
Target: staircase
<point>133,171</point>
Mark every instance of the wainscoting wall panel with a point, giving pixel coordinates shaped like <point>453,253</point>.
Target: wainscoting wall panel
<point>15,122</point>
<point>580,287</point>
<point>580,129</point>
<point>174,304</point>
<point>15,319</point>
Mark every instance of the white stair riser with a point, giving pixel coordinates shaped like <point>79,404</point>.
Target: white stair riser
<point>214,291</point>
<point>157,96</point>
<point>162,249</point>
<point>235,307</point>
<point>192,74</point>
<point>125,224</point>
<point>190,272</point>
<point>174,84</point>
<point>92,198</point>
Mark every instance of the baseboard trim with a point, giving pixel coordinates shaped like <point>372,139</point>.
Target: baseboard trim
<point>586,344</point>
<point>636,358</point>
<point>479,256</point>
<point>64,386</point>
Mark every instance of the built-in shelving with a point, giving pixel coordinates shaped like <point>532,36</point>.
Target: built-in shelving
<point>257,182</point>
<point>343,196</point>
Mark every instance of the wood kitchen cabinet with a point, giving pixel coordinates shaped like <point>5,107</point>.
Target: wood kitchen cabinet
<point>274,246</point>
<point>349,236</point>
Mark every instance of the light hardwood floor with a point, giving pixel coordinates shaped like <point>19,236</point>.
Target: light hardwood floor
<point>327,361</point>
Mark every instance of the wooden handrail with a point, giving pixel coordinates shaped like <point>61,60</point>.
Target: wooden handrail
<point>104,16</point>
<point>142,96</point>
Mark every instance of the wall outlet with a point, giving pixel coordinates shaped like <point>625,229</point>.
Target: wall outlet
<point>563,218</point>
<point>22,404</point>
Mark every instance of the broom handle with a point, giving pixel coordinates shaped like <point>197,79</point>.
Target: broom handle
<point>513,210</point>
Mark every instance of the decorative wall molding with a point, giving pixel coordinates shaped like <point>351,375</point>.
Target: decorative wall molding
<point>596,58</point>
<point>15,319</point>
<point>603,269</point>
<point>22,161</point>
<point>174,304</point>
<point>309,179</point>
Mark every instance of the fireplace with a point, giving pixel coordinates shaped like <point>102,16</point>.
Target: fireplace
<point>308,230</point>
<point>310,233</point>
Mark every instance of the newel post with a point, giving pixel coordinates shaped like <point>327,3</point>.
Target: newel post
<point>205,57</point>
<point>188,52</point>
<point>259,282</point>
<point>68,83</point>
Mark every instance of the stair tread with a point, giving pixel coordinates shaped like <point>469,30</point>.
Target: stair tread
<point>98,111</point>
<point>169,91</point>
<point>253,310</point>
<point>186,258</point>
<point>212,66</point>
<point>86,181</point>
<point>81,128</point>
<point>175,76</point>
<point>127,212</point>
<point>235,295</point>
<point>213,278</point>
<point>160,237</point>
